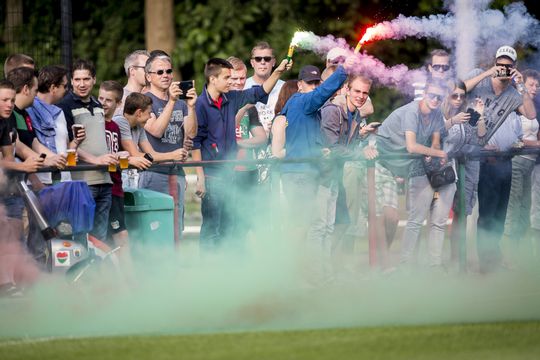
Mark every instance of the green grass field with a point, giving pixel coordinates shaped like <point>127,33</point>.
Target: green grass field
<point>472,341</point>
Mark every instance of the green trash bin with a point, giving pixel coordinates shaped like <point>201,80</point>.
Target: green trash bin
<point>149,219</point>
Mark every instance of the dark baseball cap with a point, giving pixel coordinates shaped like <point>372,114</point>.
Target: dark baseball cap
<point>309,73</point>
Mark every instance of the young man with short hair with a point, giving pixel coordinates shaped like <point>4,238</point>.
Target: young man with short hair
<point>12,252</point>
<point>263,61</point>
<point>216,140</point>
<point>15,61</point>
<point>80,107</point>
<point>250,135</point>
<point>437,68</point>
<point>415,128</point>
<point>134,65</point>
<point>110,97</point>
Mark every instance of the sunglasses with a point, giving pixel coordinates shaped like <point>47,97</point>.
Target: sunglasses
<point>439,67</point>
<point>261,58</point>
<point>434,96</point>
<point>161,72</point>
<point>457,96</point>
<point>508,66</point>
<point>313,82</point>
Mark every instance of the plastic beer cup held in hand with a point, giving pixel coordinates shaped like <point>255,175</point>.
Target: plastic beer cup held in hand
<point>123,157</point>
<point>71,157</point>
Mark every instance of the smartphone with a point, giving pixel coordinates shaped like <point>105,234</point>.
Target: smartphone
<point>475,115</point>
<point>375,124</point>
<point>149,157</point>
<point>185,86</point>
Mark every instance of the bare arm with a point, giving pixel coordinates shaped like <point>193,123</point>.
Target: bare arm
<point>269,84</point>
<point>527,109</point>
<point>472,82</point>
<point>278,136</point>
<point>259,138</point>
<point>157,125</point>
<point>176,155</point>
<point>190,121</point>
<point>201,186</point>
<point>414,148</point>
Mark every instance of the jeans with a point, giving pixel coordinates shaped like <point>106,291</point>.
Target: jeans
<point>102,195</point>
<point>519,203</point>
<point>246,204</point>
<point>324,216</point>
<point>160,183</point>
<point>535,198</point>
<point>216,218</point>
<point>355,184</point>
<point>421,201</point>
<point>493,195</point>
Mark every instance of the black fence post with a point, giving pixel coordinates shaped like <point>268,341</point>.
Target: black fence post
<point>66,33</point>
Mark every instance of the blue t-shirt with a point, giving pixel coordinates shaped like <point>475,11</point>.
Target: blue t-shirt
<point>173,137</point>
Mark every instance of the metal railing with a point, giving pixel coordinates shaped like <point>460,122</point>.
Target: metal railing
<point>377,249</point>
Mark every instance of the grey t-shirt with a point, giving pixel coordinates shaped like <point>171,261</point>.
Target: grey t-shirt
<point>136,134</point>
<point>173,137</point>
<point>391,137</point>
<point>496,108</point>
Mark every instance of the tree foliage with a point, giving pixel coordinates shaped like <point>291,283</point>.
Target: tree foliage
<point>104,31</point>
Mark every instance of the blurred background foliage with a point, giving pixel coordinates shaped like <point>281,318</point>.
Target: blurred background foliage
<point>105,31</point>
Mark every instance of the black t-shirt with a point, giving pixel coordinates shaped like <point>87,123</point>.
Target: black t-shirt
<point>5,132</point>
<point>21,121</point>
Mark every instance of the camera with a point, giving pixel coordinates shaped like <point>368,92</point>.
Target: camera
<point>506,72</point>
<point>475,115</point>
<point>185,86</point>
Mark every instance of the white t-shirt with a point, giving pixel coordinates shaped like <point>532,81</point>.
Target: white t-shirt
<point>530,132</point>
<point>266,111</point>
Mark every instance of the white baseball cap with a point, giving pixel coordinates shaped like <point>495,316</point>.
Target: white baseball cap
<point>336,52</point>
<point>507,51</point>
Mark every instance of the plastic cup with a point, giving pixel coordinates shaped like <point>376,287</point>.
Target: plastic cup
<point>124,162</point>
<point>112,168</point>
<point>71,157</point>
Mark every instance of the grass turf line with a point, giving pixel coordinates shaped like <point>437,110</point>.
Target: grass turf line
<point>470,341</point>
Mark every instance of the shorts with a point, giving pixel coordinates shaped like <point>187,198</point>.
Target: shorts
<point>386,189</point>
<point>117,221</point>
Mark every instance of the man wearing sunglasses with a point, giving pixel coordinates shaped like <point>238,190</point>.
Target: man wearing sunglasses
<point>263,61</point>
<point>415,128</point>
<point>172,125</point>
<point>503,93</point>
<point>438,68</point>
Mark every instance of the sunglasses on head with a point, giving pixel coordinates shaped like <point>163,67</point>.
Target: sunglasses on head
<point>433,96</point>
<point>261,58</point>
<point>161,72</point>
<point>457,96</point>
<point>438,67</point>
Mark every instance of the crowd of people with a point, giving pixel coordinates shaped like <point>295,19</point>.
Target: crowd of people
<point>47,114</point>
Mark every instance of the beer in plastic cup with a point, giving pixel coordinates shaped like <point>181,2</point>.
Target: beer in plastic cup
<point>71,157</point>
<point>123,156</point>
<point>112,168</point>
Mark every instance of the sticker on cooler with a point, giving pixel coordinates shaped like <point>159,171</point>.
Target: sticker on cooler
<point>154,225</point>
<point>62,258</point>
